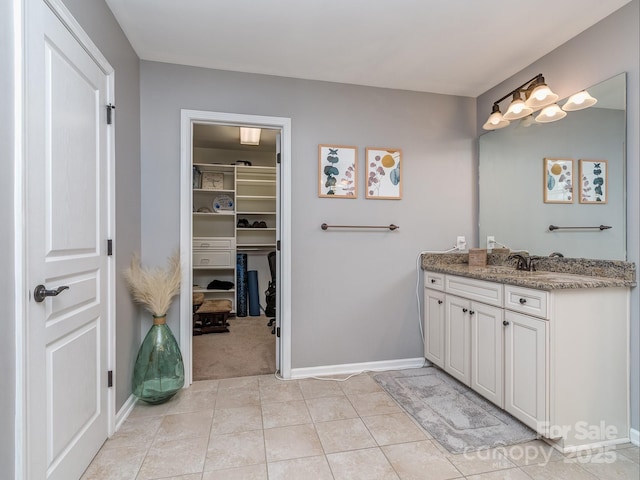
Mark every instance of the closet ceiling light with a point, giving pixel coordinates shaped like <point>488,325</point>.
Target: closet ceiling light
<point>250,136</point>
<point>578,101</point>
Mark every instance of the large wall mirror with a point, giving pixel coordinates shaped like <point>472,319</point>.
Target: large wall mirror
<point>512,181</point>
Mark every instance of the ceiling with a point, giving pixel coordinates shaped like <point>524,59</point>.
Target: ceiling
<point>455,47</point>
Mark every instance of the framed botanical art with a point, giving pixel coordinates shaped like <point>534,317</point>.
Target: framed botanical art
<point>337,171</point>
<point>593,181</point>
<point>558,180</point>
<point>384,179</point>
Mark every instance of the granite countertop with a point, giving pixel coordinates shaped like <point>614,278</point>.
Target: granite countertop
<point>551,273</point>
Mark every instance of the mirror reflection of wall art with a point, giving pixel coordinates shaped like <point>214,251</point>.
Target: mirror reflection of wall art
<point>383,173</point>
<point>593,181</point>
<point>558,180</point>
<point>337,171</point>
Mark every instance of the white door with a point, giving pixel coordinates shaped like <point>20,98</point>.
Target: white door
<point>67,220</point>
<point>434,328</point>
<point>525,369</point>
<point>486,351</point>
<point>457,338</point>
<point>278,256</point>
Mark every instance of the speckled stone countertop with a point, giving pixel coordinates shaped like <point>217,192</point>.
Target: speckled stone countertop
<point>550,274</point>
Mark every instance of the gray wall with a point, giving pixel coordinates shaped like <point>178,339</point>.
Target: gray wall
<point>97,20</point>
<point>353,294</point>
<point>7,272</point>
<point>606,49</point>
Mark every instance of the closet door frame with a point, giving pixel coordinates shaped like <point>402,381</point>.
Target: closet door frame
<point>283,235</point>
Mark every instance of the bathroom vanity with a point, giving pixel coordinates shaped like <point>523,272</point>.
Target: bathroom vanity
<point>550,347</point>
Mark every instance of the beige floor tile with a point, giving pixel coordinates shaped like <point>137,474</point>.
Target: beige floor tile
<point>184,425</point>
<point>510,474</point>
<point>393,428</point>
<point>239,419</point>
<point>412,460</point>
<point>251,472</point>
<point>285,443</point>
<point>621,469</point>
<point>326,409</point>
<point>285,414</point>
<point>235,450</point>
<point>240,396</point>
<point>360,384</point>
<point>367,464</point>
<point>238,382</point>
<point>204,385</point>
<point>563,470</point>
<point>143,409</point>
<point>173,458</point>
<point>531,453</point>
<point>481,461</point>
<point>377,403</point>
<point>344,435</point>
<point>192,476</point>
<point>312,388</point>
<point>309,468</point>
<point>135,432</point>
<point>120,463</point>
<point>193,401</point>
<point>280,392</point>
<point>632,453</point>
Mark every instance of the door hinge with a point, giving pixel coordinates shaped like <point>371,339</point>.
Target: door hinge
<point>278,332</point>
<point>110,108</point>
<point>110,378</point>
<point>278,245</point>
<point>278,157</point>
<point>109,247</point>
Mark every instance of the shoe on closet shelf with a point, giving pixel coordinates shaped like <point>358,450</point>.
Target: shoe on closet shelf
<point>243,223</point>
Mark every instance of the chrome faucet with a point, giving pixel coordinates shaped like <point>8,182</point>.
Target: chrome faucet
<point>522,262</point>
<point>556,254</point>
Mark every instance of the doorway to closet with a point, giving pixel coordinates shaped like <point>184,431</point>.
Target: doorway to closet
<point>233,220</point>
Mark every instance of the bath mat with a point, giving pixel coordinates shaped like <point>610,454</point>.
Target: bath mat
<point>453,414</point>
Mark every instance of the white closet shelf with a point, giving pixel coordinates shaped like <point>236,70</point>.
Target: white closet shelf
<point>220,213</point>
<point>255,197</point>
<point>206,290</point>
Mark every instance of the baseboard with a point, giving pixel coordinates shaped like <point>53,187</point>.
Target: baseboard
<point>634,436</point>
<point>125,411</point>
<point>349,368</point>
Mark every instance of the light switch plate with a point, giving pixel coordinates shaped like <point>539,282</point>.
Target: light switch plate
<point>491,242</point>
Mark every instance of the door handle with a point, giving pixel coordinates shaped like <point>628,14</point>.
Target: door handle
<point>41,292</point>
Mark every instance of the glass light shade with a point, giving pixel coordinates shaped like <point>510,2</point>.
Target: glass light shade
<point>495,121</point>
<point>578,101</point>
<point>541,96</point>
<point>249,136</point>
<point>517,109</point>
<point>551,113</point>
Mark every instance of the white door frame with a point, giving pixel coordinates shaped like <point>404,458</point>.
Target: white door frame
<point>188,118</point>
<point>23,21</point>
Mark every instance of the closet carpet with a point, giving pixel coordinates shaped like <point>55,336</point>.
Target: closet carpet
<point>247,349</point>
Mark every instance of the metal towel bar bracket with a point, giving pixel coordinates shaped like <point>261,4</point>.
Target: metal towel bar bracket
<point>600,227</point>
<point>391,227</point>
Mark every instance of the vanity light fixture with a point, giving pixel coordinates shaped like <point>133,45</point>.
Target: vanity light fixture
<point>538,96</point>
<point>250,136</point>
<point>578,101</point>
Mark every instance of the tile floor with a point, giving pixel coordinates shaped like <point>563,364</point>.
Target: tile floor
<point>259,428</point>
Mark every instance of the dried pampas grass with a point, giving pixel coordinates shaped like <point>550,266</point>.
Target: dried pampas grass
<point>154,287</point>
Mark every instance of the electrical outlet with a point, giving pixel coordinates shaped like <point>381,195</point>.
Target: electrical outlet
<point>491,242</point>
<point>461,243</point>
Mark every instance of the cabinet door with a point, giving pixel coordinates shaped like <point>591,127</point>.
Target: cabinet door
<point>457,338</point>
<point>487,351</point>
<point>526,369</point>
<point>434,326</point>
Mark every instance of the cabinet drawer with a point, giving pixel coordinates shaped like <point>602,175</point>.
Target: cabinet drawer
<point>214,243</point>
<point>486,292</point>
<point>434,281</point>
<point>526,300</point>
<point>221,258</point>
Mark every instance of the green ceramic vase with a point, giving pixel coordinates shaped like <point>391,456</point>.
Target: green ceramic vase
<point>159,371</point>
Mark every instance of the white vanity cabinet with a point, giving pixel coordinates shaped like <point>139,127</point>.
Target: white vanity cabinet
<point>557,360</point>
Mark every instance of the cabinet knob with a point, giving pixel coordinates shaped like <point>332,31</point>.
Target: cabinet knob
<point>471,312</point>
<point>522,301</point>
<point>439,302</point>
<point>433,280</point>
<point>505,323</point>
<point>464,310</point>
